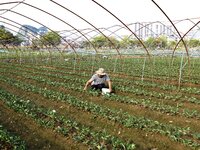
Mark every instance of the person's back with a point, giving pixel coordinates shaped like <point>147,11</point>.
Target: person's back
<point>99,80</point>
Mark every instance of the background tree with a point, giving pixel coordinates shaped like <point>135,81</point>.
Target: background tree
<point>181,45</point>
<point>194,43</point>
<point>159,42</point>
<point>37,44</point>
<point>150,43</point>
<point>17,41</point>
<point>135,43</point>
<point>50,39</point>
<point>85,44</point>
<point>162,42</point>
<point>113,43</point>
<point>99,41</point>
<point>7,38</point>
<point>171,44</point>
<point>103,42</point>
<point>126,42</point>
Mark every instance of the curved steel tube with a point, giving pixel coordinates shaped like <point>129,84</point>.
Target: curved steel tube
<point>23,30</point>
<point>40,24</point>
<point>174,28</point>
<point>124,25</point>
<point>18,3</point>
<point>185,35</point>
<point>63,22</point>
<point>89,24</point>
<point>10,39</point>
<point>104,29</point>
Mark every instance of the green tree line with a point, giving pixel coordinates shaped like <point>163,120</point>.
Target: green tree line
<point>126,42</point>
<point>7,39</point>
<point>51,39</point>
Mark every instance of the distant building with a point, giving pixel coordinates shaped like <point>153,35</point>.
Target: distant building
<point>194,34</point>
<point>28,33</point>
<point>154,29</point>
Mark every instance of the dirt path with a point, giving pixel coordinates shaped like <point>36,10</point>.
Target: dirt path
<point>145,140</point>
<point>35,136</point>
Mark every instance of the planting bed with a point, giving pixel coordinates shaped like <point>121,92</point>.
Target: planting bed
<point>156,104</point>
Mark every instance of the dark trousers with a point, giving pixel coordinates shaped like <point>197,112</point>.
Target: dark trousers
<point>98,86</point>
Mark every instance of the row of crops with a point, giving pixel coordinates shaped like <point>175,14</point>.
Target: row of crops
<point>149,109</point>
<point>177,68</point>
<point>9,140</point>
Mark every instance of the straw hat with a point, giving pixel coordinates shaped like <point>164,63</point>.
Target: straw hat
<point>101,71</point>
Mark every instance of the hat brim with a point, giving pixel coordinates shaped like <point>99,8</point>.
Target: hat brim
<point>100,73</point>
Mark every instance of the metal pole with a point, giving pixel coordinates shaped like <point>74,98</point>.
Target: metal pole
<point>180,72</point>
<point>143,69</point>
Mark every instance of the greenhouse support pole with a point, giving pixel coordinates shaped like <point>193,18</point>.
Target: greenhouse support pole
<point>32,56</point>
<point>143,68</point>
<point>180,73</point>
<point>36,58</point>
<point>115,65</point>
<point>133,67</point>
<point>193,63</point>
<point>93,63</point>
<point>20,58</point>
<point>153,68</point>
<point>169,71</point>
<point>75,64</point>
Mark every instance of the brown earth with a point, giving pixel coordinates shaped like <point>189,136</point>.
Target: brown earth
<point>144,140</point>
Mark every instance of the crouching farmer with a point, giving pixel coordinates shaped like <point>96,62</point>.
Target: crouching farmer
<point>99,81</point>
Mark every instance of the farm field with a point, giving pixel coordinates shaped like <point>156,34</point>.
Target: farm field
<point>155,106</point>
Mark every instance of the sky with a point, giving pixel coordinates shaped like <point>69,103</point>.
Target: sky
<point>129,11</point>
